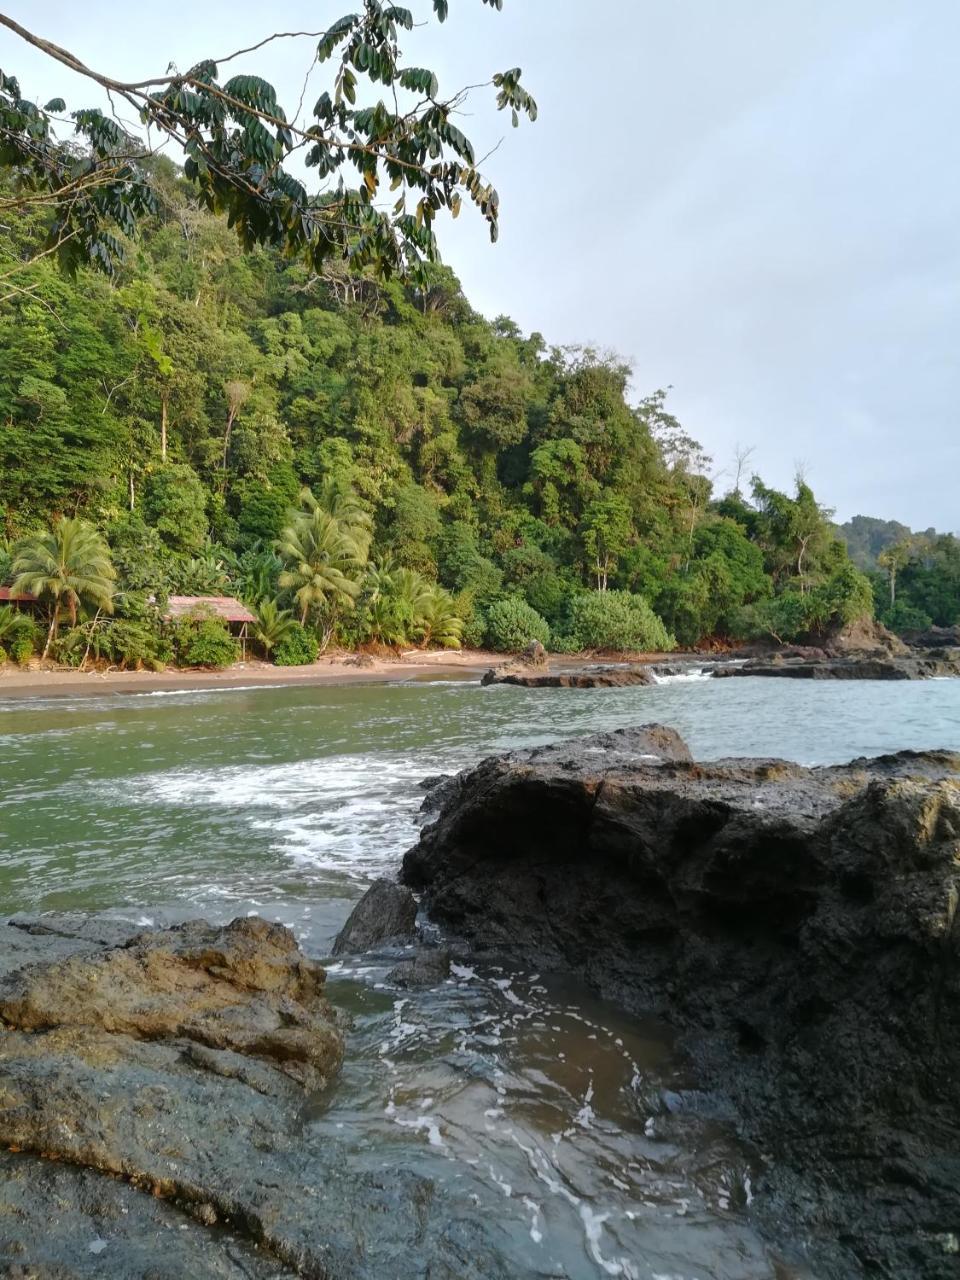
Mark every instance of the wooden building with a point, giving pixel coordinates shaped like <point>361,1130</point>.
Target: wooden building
<point>236,615</point>
<point>18,599</point>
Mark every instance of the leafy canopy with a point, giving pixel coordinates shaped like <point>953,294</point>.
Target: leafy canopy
<point>382,140</point>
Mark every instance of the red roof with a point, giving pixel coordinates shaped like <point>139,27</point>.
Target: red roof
<point>8,593</point>
<point>225,607</point>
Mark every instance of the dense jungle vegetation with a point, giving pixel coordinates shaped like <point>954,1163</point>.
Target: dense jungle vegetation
<point>372,462</point>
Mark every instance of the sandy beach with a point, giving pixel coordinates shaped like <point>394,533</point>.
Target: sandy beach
<point>340,668</point>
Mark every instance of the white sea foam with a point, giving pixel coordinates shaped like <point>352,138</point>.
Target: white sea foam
<point>348,813</point>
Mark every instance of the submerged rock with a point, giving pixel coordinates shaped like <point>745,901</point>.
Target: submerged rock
<point>428,968</point>
<point>600,677</point>
<point>387,913</point>
<point>797,925</point>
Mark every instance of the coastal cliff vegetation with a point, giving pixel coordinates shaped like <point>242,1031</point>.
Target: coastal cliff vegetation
<point>370,462</point>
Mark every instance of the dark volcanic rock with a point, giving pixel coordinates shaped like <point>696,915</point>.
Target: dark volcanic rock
<point>864,667</point>
<point>387,913</point>
<point>934,638</point>
<point>797,925</point>
<point>606,677</point>
<point>153,1111</point>
<point>428,968</point>
<point>63,1223</point>
<point>439,788</point>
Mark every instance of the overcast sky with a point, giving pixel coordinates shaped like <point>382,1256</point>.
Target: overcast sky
<point>757,203</point>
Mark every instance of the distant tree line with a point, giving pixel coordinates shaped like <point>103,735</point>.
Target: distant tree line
<point>366,462</point>
<point>915,576</point>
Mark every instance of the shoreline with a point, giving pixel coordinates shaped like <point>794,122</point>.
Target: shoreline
<point>17,683</point>
<point>28,684</point>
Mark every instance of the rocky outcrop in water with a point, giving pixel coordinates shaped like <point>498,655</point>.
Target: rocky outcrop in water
<point>864,636</point>
<point>863,650</point>
<point>600,677</point>
<point>154,1092</point>
<point>799,928</point>
<point>385,915</point>
<point>926,666</point>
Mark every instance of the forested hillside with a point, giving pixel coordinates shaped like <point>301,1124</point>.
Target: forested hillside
<point>915,576</point>
<point>374,460</point>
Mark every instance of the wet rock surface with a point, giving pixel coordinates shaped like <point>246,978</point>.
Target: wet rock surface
<point>58,1221</point>
<point>152,1098</point>
<point>797,926</point>
<point>920,666</point>
<point>242,992</point>
<point>386,914</point>
<point>599,677</point>
<point>427,968</point>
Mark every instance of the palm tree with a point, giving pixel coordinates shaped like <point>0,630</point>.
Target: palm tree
<point>405,606</point>
<point>340,502</point>
<point>439,622</point>
<point>68,565</point>
<point>273,625</point>
<point>322,562</point>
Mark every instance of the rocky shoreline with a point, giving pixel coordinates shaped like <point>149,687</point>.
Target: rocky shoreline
<point>797,926</point>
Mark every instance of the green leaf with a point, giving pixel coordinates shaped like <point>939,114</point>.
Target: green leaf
<point>253,92</point>
<point>55,104</point>
<point>335,34</point>
<point>419,80</point>
<point>402,17</point>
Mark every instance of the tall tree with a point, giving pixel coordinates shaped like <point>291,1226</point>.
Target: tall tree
<point>67,566</point>
<point>237,138</point>
<point>322,560</point>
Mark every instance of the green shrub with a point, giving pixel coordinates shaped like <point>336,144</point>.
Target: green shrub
<point>564,644</point>
<point>122,641</point>
<point>843,597</point>
<point>131,643</point>
<point>616,620</point>
<point>782,618</point>
<point>204,642</point>
<point>21,649</point>
<point>69,647</point>
<point>512,625</point>
<point>298,648</point>
<point>905,617</point>
<point>474,633</point>
<point>15,626</point>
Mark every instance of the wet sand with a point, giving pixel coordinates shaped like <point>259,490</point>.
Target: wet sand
<point>36,682</point>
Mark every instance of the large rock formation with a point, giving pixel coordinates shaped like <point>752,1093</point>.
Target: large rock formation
<point>600,677</point>
<point>797,925</point>
<point>920,666</point>
<point>153,1091</point>
<point>865,636</point>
